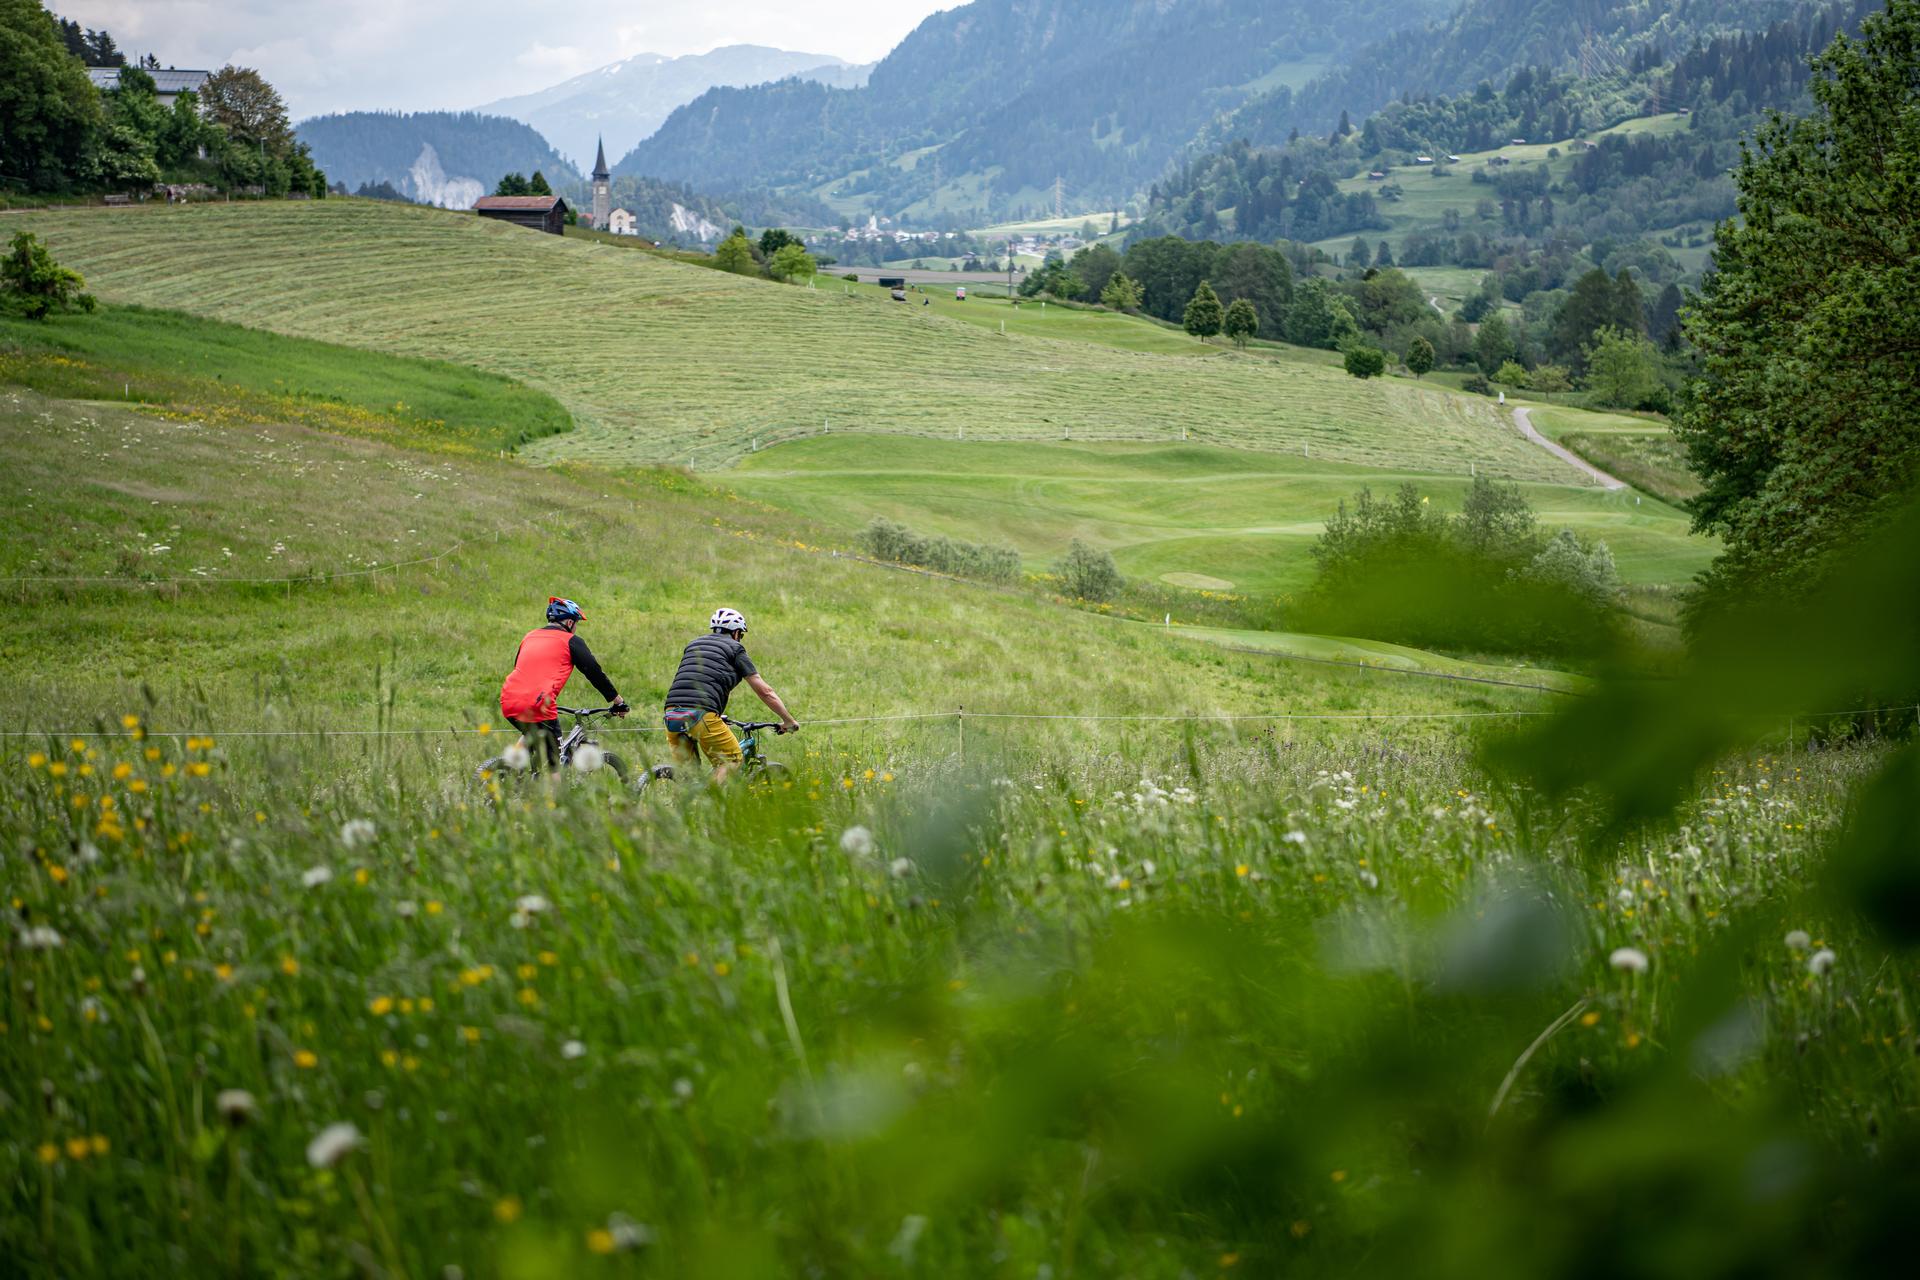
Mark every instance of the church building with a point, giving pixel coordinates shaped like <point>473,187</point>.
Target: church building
<point>602,189</point>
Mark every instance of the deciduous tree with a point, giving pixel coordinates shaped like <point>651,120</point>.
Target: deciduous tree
<point>1365,362</point>
<point>1241,322</point>
<point>1420,357</point>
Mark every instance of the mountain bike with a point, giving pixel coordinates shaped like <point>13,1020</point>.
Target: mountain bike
<point>570,746</point>
<point>754,768</point>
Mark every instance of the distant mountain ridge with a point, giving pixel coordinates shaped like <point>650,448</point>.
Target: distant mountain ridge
<point>446,158</point>
<point>626,101</point>
<point>1015,94</point>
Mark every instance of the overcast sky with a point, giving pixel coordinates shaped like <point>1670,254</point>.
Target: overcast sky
<point>413,55</point>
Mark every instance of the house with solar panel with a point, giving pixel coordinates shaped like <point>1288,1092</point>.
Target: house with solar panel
<point>168,83</point>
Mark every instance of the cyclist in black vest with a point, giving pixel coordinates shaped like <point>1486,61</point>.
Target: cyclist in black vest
<point>712,666</point>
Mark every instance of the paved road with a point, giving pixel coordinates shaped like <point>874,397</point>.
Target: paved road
<point>1525,423</point>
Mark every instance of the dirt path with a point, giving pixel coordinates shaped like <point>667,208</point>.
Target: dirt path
<point>1525,423</point>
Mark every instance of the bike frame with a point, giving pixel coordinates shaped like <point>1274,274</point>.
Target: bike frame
<point>577,736</point>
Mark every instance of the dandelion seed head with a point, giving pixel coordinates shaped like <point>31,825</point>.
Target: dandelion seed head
<point>358,832</point>
<point>1628,960</point>
<point>857,842</point>
<point>1799,940</point>
<point>332,1145</point>
<point>314,877</point>
<point>516,756</point>
<point>589,758</point>
<point>1821,962</point>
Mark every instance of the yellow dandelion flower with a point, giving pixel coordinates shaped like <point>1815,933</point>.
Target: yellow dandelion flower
<point>223,971</point>
<point>77,1148</point>
<point>529,997</point>
<point>549,959</point>
<point>37,760</point>
<point>1229,1259</point>
<point>152,753</point>
<point>406,1005</point>
<point>306,1059</point>
<point>1242,870</point>
<point>361,875</point>
<point>1339,1175</point>
<point>426,1004</point>
<point>1591,1018</point>
<point>409,1063</point>
<point>470,1034</point>
<point>433,908</point>
<point>99,1144</point>
<point>122,771</point>
<point>389,1058</point>
<point>130,721</point>
<point>600,1240</point>
<point>527,972</point>
<point>507,1208</point>
<point>289,966</point>
<point>199,768</point>
<point>47,1152</point>
<point>380,1006</point>
<point>721,969</point>
<point>57,769</point>
<point>137,786</point>
<point>79,745</point>
<point>57,872</point>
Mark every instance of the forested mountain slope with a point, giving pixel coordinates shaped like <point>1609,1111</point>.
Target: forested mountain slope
<point>1016,93</point>
<point>433,157</point>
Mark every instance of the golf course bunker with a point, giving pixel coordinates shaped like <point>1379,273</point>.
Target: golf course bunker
<point>1197,581</point>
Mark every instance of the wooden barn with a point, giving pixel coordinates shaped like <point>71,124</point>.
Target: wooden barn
<point>542,213</point>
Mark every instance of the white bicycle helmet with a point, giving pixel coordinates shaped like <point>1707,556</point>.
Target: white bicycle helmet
<point>728,620</point>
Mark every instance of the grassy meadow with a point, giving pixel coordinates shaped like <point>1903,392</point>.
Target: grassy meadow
<point>1190,515</point>
<point>1427,195</point>
<point>662,362</point>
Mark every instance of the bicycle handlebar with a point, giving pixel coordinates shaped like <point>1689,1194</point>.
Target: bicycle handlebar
<point>754,726</point>
<point>586,713</point>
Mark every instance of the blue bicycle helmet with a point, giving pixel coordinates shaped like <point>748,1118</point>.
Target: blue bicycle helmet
<point>560,610</point>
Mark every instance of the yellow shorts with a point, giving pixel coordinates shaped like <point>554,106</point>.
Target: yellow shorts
<point>711,735</point>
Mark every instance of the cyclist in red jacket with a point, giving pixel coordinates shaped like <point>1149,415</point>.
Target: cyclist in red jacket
<point>531,691</point>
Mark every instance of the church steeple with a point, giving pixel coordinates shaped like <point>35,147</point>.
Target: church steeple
<point>602,189</point>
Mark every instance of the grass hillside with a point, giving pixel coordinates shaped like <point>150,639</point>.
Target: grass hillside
<point>662,362</point>
<point>1427,194</point>
<point>1190,515</point>
<point>433,564</point>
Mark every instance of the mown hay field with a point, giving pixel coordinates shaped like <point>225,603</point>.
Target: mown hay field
<point>660,362</point>
<point>1176,512</point>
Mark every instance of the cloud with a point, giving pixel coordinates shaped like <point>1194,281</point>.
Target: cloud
<point>431,54</point>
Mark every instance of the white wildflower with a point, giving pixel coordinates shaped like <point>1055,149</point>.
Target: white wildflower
<point>314,877</point>
<point>589,758</point>
<point>1628,959</point>
<point>1369,879</point>
<point>1821,961</point>
<point>406,909</point>
<point>357,833</point>
<point>1799,940</point>
<point>1294,837</point>
<point>89,852</point>
<point>573,1049</point>
<point>41,937</point>
<point>516,756</point>
<point>1116,881</point>
<point>628,1234</point>
<point>1147,868</point>
<point>683,1088</point>
<point>332,1145</point>
<point>901,868</point>
<point>532,904</point>
<point>236,1106</point>
<point>856,842</point>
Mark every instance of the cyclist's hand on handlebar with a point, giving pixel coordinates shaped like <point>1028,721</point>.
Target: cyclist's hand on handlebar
<point>620,707</point>
<point>791,726</point>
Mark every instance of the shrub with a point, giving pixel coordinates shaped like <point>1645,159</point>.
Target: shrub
<point>1551,377</point>
<point>1484,580</point>
<point>1476,383</point>
<point>1513,373</point>
<point>884,539</point>
<point>1365,362</point>
<point>1087,573</point>
<point>34,285</point>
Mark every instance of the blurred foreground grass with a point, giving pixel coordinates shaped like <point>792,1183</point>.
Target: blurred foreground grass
<point>1249,1012</point>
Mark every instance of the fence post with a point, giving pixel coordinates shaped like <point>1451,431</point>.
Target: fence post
<point>961,718</point>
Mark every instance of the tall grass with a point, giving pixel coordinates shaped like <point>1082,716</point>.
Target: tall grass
<point>1171,1011</point>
